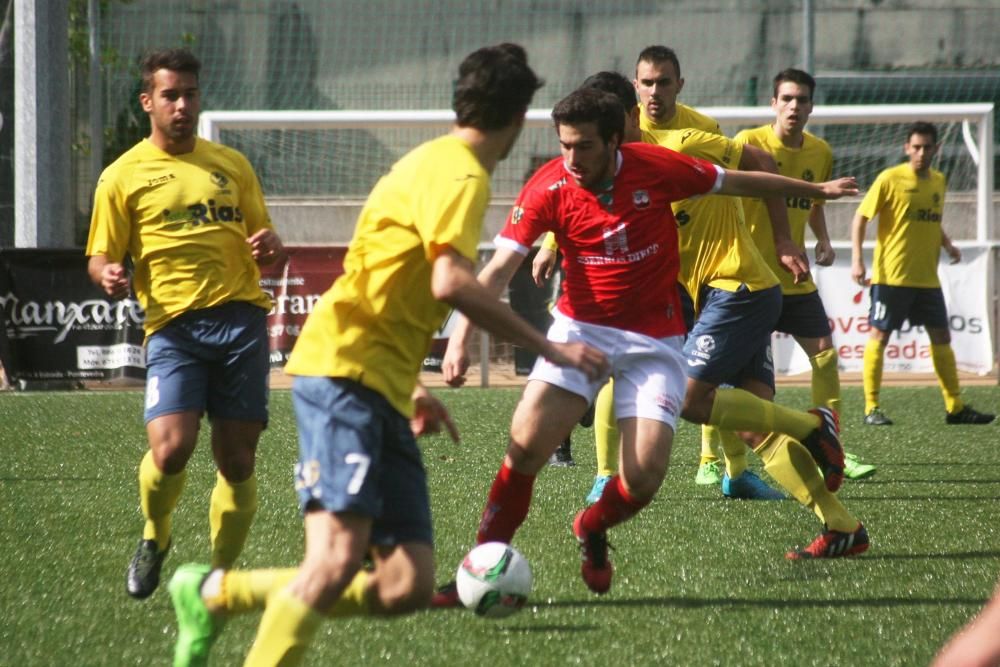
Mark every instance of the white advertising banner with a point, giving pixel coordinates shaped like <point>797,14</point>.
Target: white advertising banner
<point>965,287</point>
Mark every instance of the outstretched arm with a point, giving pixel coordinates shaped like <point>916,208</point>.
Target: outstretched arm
<point>453,282</point>
<point>760,184</point>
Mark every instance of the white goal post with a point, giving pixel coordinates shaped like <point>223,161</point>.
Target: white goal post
<point>979,142</point>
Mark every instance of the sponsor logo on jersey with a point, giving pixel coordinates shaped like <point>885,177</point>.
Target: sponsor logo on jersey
<point>219,179</point>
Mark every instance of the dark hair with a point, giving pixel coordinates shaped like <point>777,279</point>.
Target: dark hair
<point>494,87</point>
<point>795,76</point>
<point>590,105</point>
<point>617,85</point>
<point>657,54</point>
<point>175,60</point>
<point>922,127</point>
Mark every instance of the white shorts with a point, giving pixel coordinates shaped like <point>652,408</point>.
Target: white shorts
<point>648,372</point>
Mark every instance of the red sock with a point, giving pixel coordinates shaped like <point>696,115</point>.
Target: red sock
<point>614,507</point>
<point>506,506</point>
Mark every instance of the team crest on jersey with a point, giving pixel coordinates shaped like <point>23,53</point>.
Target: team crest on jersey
<point>516,215</point>
<point>937,198</point>
<point>808,175</point>
<point>705,343</point>
<point>219,179</point>
<point>641,199</point>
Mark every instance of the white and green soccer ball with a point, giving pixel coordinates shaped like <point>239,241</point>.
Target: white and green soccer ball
<point>494,580</point>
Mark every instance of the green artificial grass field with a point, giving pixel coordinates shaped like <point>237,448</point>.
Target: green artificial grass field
<point>699,580</point>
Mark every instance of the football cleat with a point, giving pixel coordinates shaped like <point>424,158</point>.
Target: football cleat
<point>876,417</point>
<point>597,489</point>
<point>855,469</point>
<point>824,445</point>
<point>595,569</point>
<point>709,473</point>
<point>834,544</point>
<point>143,575</point>
<point>968,416</point>
<point>563,456</point>
<point>197,627</point>
<point>446,597</point>
<point>748,486</point>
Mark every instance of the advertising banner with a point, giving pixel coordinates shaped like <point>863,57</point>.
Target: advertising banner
<point>965,286</point>
<point>58,327</point>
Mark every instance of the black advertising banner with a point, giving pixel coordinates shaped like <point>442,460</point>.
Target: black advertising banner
<point>59,328</point>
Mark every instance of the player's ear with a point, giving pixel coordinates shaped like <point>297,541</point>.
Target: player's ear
<point>146,102</point>
<point>680,84</point>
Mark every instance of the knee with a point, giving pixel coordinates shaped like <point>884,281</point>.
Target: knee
<point>237,465</point>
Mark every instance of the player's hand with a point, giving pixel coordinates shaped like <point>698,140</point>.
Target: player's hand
<point>858,272</point>
<point>543,265</point>
<point>825,254</point>
<point>792,259</point>
<point>266,247</point>
<point>840,187</point>
<point>589,360</point>
<point>114,280</point>
<point>455,363</point>
<point>429,414</point>
<point>955,253</point>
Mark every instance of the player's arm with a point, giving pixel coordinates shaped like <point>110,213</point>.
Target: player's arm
<point>109,276</point>
<point>825,253</point>
<point>763,185</point>
<point>545,260</point>
<point>266,246</point>
<point>858,270</point>
<point>430,414</point>
<point>453,282</point>
<point>791,257</point>
<point>954,252</point>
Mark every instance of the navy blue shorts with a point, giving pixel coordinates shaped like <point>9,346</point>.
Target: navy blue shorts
<point>803,315</point>
<point>731,340</point>
<point>357,454</point>
<point>213,359</point>
<point>892,305</point>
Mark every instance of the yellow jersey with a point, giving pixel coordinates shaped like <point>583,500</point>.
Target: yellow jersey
<point>909,212</point>
<point>684,118</point>
<point>376,322</point>
<point>813,162</point>
<point>716,248</point>
<point>184,220</point>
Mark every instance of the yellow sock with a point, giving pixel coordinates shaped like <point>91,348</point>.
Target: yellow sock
<point>739,410</point>
<point>736,453</point>
<point>826,379</point>
<point>286,628</point>
<point>230,514</point>
<point>791,465</point>
<point>606,436</point>
<point>943,358</point>
<point>354,600</point>
<point>872,372</point>
<point>158,495</point>
<point>241,591</point>
<point>711,444</point>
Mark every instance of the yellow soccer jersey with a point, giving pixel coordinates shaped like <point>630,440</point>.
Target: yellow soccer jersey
<point>184,220</point>
<point>909,226</point>
<point>684,118</point>
<point>813,162</point>
<point>375,323</point>
<point>715,245</point>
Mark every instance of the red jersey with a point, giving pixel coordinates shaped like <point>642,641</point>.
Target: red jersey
<point>620,263</point>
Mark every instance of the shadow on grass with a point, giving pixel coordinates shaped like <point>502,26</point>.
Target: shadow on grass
<point>765,603</point>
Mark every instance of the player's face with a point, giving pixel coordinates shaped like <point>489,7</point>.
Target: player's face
<point>658,86</point>
<point>589,159</point>
<point>792,105</point>
<point>173,106</point>
<point>920,148</point>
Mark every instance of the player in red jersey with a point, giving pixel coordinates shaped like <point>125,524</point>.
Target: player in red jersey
<point>609,206</point>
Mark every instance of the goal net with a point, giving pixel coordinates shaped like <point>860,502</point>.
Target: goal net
<point>333,158</point>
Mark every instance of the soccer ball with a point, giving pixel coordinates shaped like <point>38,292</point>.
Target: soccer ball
<point>494,580</point>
